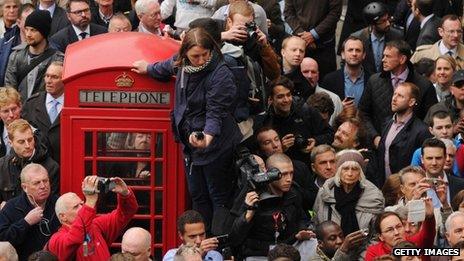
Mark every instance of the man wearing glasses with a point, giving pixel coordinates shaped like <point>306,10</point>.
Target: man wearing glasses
<point>28,220</point>
<point>374,37</point>
<point>80,28</point>
<point>450,32</point>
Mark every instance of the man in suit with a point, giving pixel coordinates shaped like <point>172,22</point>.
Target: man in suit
<point>378,32</point>
<point>450,32</point>
<point>404,18</point>
<point>403,133</point>
<point>433,161</point>
<point>149,14</point>
<point>429,22</point>
<point>378,92</point>
<point>349,80</point>
<point>315,21</point>
<point>80,28</point>
<point>103,14</point>
<point>43,109</point>
<point>58,15</point>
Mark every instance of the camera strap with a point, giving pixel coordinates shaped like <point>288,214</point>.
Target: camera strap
<point>276,216</point>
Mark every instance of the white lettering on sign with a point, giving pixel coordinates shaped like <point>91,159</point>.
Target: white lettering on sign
<point>123,97</point>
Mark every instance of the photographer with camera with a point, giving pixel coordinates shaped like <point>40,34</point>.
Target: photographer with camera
<point>301,127</point>
<point>83,236</point>
<point>248,46</point>
<point>433,161</point>
<point>271,212</point>
<point>269,143</point>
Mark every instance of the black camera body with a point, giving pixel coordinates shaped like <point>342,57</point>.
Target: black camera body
<point>257,179</point>
<point>300,142</point>
<point>251,30</point>
<point>199,135</point>
<point>105,185</point>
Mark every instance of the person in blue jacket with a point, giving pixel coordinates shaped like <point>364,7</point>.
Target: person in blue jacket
<point>202,121</point>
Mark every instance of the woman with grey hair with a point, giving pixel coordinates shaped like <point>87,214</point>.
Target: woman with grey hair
<point>348,198</point>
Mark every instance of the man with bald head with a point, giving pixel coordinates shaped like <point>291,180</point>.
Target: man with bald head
<point>28,220</point>
<point>310,71</point>
<point>84,236</point>
<point>277,202</point>
<point>137,242</point>
<point>293,52</point>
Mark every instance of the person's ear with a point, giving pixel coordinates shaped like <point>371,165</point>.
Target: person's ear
<point>313,168</point>
<point>24,187</point>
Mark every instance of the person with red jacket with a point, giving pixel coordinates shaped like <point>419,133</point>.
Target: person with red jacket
<point>83,236</point>
<point>391,232</point>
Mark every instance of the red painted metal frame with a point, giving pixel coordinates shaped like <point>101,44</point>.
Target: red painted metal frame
<point>94,64</point>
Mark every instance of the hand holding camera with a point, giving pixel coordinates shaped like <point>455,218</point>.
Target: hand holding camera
<point>89,188</point>
<point>209,244</point>
<point>421,188</point>
<point>236,33</point>
<point>251,199</point>
<point>199,139</point>
<point>287,141</point>
<point>353,240</point>
<point>120,186</point>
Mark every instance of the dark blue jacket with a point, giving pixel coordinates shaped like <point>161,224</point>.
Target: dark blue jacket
<point>25,238</point>
<point>203,102</point>
<point>9,40</point>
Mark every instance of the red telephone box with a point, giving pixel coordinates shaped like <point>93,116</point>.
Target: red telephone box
<point>117,123</point>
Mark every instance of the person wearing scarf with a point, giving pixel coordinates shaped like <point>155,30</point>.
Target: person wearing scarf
<point>348,198</point>
<point>205,93</point>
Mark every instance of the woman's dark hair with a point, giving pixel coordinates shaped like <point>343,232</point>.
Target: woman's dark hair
<point>457,200</point>
<point>425,67</point>
<point>196,37</point>
<point>210,25</point>
<point>381,217</point>
<point>42,255</point>
<point>284,251</point>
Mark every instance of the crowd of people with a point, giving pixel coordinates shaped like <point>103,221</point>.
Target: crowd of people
<point>286,156</point>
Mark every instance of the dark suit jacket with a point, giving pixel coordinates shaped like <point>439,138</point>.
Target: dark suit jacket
<point>67,36</point>
<point>335,82</point>
<point>35,112</point>
<point>375,104</point>
<point>400,17</point>
<point>365,36</point>
<point>429,33</point>
<point>2,144</point>
<point>321,15</point>
<point>96,19</point>
<point>455,185</point>
<point>59,20</point>
<point>403,145</point>
<point>446,7</point>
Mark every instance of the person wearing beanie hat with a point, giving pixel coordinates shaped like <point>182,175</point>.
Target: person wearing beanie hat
<point>349,199</point>
<point>27,65</point>
<point>41,21</point>
<point>80,27</point>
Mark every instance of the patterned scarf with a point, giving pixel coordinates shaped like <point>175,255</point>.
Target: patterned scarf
<point>194,69</point>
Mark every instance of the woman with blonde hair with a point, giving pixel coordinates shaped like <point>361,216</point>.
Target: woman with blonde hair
<point>348,198</point>
<point>445,66</point>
